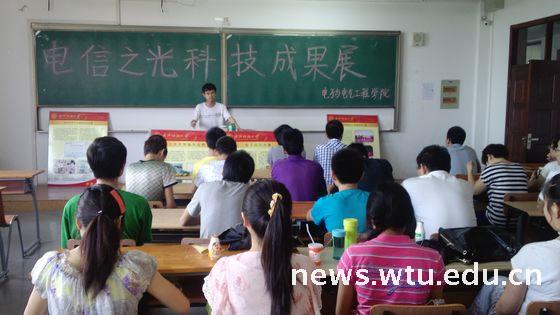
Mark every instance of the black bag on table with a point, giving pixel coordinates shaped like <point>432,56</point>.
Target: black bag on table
<point>475,244</point>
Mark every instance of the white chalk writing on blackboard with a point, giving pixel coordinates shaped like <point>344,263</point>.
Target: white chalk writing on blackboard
<point>158,59</point>
<point>315,56</point>
<point>373,93</point>
<point>100,60</point>
<point>285,60</point>
<point>131,55</point>
<point>196,56</point>
<point>248,62</point>
<point>55,57</point>
<point>345,63</point>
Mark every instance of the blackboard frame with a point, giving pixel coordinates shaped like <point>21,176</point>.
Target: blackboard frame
<point>37,27</point>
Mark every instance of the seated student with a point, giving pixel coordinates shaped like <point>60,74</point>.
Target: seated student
<point>460,154</point>
<point>261,278</point>
<point>212,171</point>
<point>324,152</point>
<point>349,201</point>
<point>440,200</point>
<point>210,113</point>
<point>498,178</point>
<point>95,277</point>
<point>303,178</point>
<point>152,178</point>
<point>277,153</point>
<point>540,176</point>
<point>212,136</point>
<point>390,213</point>
<point>106,157</point>
<point>541,257</point>
<point>218,203</point>
<point>376,171</point>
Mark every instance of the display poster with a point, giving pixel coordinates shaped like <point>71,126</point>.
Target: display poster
<point>360,128</point>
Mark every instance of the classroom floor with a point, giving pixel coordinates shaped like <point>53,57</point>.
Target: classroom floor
<point>15,291</point>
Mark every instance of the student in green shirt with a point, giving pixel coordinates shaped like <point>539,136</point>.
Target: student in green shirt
<point>106,157</point>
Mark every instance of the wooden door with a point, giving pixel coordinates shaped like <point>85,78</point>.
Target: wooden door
<point>533,110</point>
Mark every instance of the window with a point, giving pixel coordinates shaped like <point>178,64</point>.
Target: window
<point>555,50</point>
<point>531,43</point>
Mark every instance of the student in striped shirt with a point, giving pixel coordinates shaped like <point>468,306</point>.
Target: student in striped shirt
<point>498,178</point>
<point>391,214</point>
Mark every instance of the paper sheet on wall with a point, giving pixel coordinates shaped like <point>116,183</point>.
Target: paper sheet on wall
<point>187,147</point>
<point>70,134</point>
<point>360,128</point>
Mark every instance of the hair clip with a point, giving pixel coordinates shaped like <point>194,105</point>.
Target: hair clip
<point>273,202</point>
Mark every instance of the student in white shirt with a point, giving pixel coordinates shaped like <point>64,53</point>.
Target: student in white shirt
<point>212,171</point>
<point>440,200</point>
<point>540,176</point>
<point>542,256</point>
<point>210,113</point>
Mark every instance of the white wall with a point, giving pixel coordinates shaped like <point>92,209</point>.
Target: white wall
<point>451,52</point>
<point>490,114</point>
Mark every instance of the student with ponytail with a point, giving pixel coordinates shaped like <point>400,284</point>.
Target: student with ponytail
<point>260,281</point>
<point>95,277</point>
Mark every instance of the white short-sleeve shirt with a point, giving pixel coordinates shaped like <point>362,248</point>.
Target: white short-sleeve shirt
<point>209,117</point>
<point>544,257</point>
<point>441,200</point>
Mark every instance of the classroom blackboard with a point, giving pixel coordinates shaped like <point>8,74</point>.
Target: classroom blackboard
<point>342,70</point>
<point>111,66</point>
<point>124,68</point>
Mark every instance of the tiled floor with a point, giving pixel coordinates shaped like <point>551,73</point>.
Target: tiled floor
<point>15,291</point>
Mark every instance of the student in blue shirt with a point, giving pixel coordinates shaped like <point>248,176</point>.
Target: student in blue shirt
<point>460,154</point>
<point>349,201</point>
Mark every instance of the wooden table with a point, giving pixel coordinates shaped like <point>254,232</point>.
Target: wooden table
<point>27,177</point>
<point>529,207</point>
<point>167,229</point>
<point>300,209</point>
<point>184,190</point>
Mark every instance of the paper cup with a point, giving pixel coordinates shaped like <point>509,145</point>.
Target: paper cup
<point>315,250</point>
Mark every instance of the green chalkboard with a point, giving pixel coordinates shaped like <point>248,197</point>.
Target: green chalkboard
<point>304,70</point>
<point>125,68</point>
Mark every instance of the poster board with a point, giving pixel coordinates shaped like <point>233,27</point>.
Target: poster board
<point>70,134</point>
<point>186,147</point>
<point>360,128</point>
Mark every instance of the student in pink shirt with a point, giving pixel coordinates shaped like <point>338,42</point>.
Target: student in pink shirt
<point>390,212</point>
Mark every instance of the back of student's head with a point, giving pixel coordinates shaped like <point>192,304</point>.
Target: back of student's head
<point>551,192</point>
<point>268,207</point>
<point>279,131</point>
<point>456,135</point>
<point>389,207</point>
<point>239,167</point>
<point>226,145</point>
<point>99,209</point>
<point>554,142</point>
<point>212,136</point>
<point>208,87</point>
<point>496,150</point>
<point>154,144</point>
<point>334,129</point>
<point>348,166</point>
<point>106,157</point>
<point>292,142</point>
<point>360,148</point>
<point>435,158</point>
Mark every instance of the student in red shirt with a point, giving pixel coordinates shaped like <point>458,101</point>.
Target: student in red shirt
<point>390,212</point>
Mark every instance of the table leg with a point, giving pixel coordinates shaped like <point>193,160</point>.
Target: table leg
<point>37,243</point>
<point>4,271</point>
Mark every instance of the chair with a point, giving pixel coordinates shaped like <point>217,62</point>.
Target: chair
<point>155,204</point>
<point>8,221</point>
<point>522,217</point>
<point>73,243</point>
<point>195,241</point>
<point>537,308</point>
<point>446,309</point>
